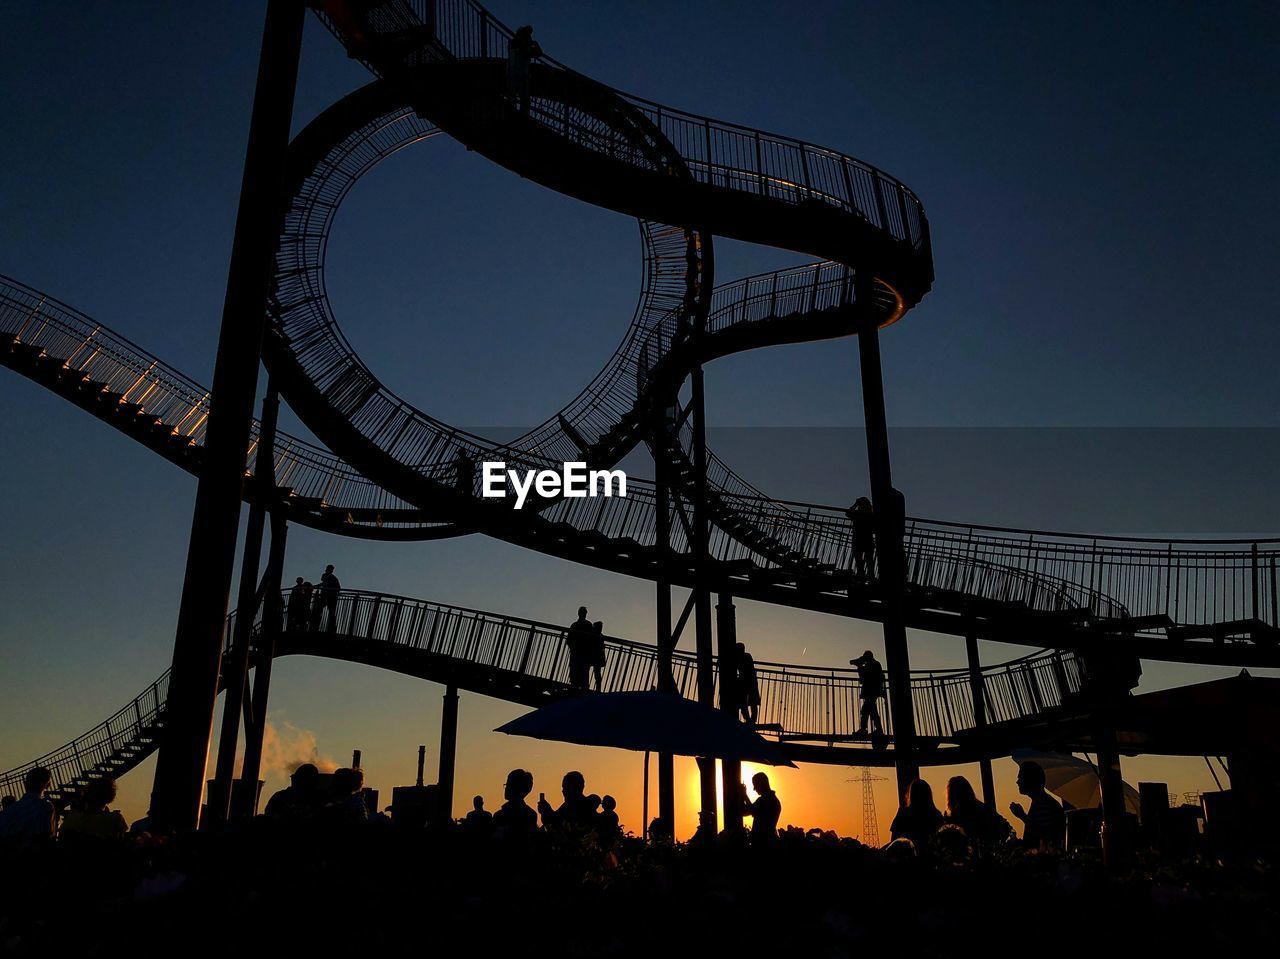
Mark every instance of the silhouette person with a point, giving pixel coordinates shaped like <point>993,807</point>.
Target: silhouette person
<point>514,818</point>
<point>348,806</point>
<point>660,830</point>
<point>93,823</point>
<point>863,519</point>
<point>299,605</point>
<point>748,686</point>
<point>326,598</point>
<point>871,681</point>
<point>576,812</point>
<point>1044,827</point>
<point>597,651</point>
<point>28,822</point>
<point>609,827</point>
<point>522,50</point>
<point>579,640</point>
<point>764,812</point>
<point>985,827</point>
<point>479,820</point>
<point>919,819</point>
<point>464,473</point>
<point>299,800</point>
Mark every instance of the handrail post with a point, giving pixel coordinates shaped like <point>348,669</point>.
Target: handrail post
<point>878,189</point>
<point>1253,550</point>
<point>706,126</point>
<point>760,166</point>
<point>1275,619</point>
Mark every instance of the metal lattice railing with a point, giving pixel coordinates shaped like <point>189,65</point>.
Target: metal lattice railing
<point>716,153</point>
<point>799,703</point>
<point>123,369</point>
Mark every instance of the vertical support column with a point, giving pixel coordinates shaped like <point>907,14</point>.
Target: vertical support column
<point>448,749</point>
<point>666,681</point>
<point>245,805</point>
<point>730,700</point>
<point>980,714</point>
<point>890,519</point>
<point>702,594</point>
<point>197,652</point>
<point>700,544</point>
<point>236,666</point>
<point>1115,840</point>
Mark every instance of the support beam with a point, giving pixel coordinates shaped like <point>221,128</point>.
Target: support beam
<point>236,667</point>
<point>1116,841</point>
<point>978,691</point>
<point>272,608</point>
<point>664,640</point>
<point>448,750</point>
<point>197,652</point>
<point>701,593</point>
<point>700,542</point>
<point>890,518</point>
<point>730,700</point>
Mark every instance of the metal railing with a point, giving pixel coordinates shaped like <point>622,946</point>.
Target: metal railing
<point>800,703</point>
<point>131,728</point>
<point>804,702</point>
<point>121,368</point>
<point>714,152</point>
<point>1194,583</point>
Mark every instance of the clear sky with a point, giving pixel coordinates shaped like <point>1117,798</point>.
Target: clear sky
<point>1101,185</point>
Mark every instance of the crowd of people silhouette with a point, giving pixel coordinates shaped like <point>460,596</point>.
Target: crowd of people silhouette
<point>920,827</point>
<point>321,834</point>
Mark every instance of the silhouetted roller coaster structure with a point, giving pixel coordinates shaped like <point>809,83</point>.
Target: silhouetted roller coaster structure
<point>387,471</point>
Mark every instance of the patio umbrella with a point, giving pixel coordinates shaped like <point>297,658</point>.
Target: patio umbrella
<point>1074,781</point>
<point>647,722</point>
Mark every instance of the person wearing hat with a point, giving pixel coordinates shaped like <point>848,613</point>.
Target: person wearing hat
<point>871,678</point>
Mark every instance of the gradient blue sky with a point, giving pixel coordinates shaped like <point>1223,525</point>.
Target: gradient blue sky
<point>1101,184</point>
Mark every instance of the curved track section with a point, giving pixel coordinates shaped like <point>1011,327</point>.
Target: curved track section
<point>813,712</point>
<point>1190,601</point>
<point>349,405</point>
<point>592,142</point>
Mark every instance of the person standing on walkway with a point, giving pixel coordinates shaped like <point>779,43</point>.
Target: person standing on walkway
<point>522,50</point>
<point>748,686</point>
<point>327,599</point>
<point>464,473</point>
<point>299,605</point>
<point>579,640</point>
<point>871,679</point>
<point>863,520</point>
<point>597,651</point>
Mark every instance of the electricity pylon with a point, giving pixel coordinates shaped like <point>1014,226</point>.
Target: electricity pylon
<point>870,835</point>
